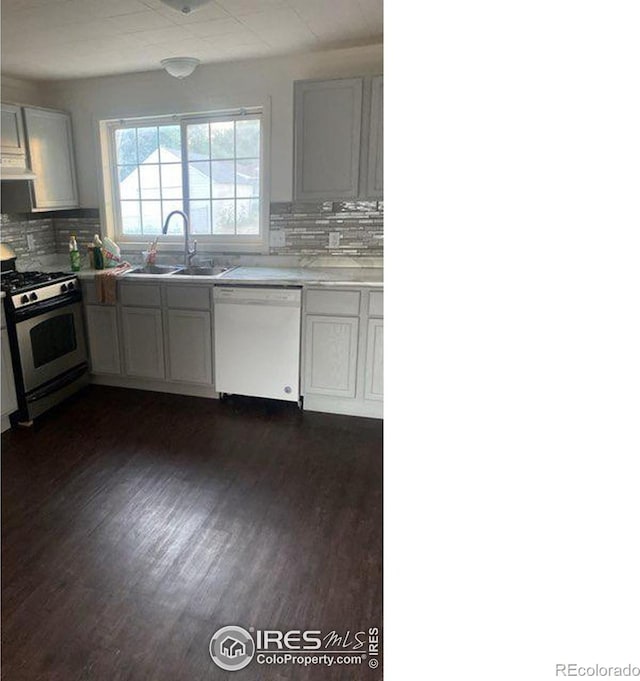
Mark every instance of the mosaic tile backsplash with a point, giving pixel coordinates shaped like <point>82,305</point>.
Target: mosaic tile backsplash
<point>295,229</point>
<point>27,236</point>
<point>304,228</point>
<point>34,236</point>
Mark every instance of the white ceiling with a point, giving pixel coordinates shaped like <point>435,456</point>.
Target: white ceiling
<point>59,39</point>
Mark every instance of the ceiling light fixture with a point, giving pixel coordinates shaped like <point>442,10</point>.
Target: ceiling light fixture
<point>180,67</point>
<point>185,6</point>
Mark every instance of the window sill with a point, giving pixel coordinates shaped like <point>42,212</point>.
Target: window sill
<point>204,247</point>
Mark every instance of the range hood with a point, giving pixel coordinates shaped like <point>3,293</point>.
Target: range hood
<point>15,168</point>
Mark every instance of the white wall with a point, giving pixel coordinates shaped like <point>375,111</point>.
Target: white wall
<point>18,91</point>
<point>210,87</point>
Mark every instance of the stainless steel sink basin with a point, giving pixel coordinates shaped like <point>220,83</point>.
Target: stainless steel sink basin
<point>201,271</point>
<point>156,269</point>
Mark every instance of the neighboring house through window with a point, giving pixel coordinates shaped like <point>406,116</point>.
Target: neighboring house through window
<point>209,167</point>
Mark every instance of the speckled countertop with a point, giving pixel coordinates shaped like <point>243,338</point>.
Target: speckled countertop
<point>326,276</point>
<point>270,276</point>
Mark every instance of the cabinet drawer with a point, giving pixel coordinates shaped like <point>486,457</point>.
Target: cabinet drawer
<point>188,297</point>
<point>376,302</point>
<point>144,295</point>
<point>333,302</point>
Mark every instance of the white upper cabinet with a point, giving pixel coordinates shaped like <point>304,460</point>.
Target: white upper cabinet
<point>328,118</point>
<point>375,161</point>
<point>12,131</point>
<point>338,139</point>
<point>50,152</point>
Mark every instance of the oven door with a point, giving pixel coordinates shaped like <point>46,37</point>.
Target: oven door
<point>50,344</point>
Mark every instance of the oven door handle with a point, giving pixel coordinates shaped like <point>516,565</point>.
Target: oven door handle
<point>46,306</point>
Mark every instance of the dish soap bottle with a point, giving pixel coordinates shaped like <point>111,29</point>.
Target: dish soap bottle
<point>74,253</point>
<point>98,259</point>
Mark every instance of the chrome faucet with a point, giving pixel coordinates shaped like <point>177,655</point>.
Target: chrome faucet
<point>188,252</point>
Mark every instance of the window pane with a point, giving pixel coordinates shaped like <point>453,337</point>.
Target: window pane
<point>222,178</point>
<point>223,217</point>
<point>248,216</point>
<point>130,211</point>
<point>148,145</point>
<point>129,186</point>
<point>126,146</point>
<point>198,141</point>
<point>248,177</point>
<point>222,140</point>
<point>200,217</point>
<point>248,138</point>
<point>170,146</point>
<point>151,217</point>
<point>199,180</point>
<point>150,182</point>
<point>171,176</point>
<point>176,224</point>
<point>223,170</point>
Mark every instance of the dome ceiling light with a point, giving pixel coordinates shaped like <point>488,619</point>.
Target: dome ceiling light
<point>185,6</point>
<point>180,67</point>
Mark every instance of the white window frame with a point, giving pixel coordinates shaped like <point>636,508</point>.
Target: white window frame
<point>207,243</point>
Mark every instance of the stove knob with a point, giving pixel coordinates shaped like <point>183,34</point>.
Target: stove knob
<point>33,296</point>
<point>24,299</point>
<point>71,286</point>
<point>63,288</point>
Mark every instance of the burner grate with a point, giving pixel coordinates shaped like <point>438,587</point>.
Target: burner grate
<point>14,282</point>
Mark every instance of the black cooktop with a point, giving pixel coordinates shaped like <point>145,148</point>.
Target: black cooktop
<point>15,282</point>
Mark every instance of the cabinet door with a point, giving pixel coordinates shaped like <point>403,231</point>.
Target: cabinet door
<point>375,165</point>
<point>190,351</point>
<point>102,332</point>
<point>331,355</point>
<point>142,340</point>
<point>373,386</point>
<point>12,133</point>
<point>8,396</point>
<point>327,139</point>
<point>50,147</point>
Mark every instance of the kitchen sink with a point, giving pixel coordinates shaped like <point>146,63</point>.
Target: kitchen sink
<point>201,271</point>
<point>156,269</point>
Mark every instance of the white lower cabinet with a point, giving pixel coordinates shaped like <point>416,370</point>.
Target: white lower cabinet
<point>8,396</point>
<point>142,342</point>
<point>190,349</point>
<point>156,337</point>
<point>102,333</point>
<point>161,337</point>
<point>343,351</point>
<point>331,355</point>
<point>373,386</point>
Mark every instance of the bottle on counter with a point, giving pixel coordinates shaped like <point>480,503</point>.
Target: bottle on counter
<point>98,258</point>
<point>74,253</point>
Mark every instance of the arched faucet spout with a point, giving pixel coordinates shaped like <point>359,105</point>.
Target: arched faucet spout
<point>189,253</point>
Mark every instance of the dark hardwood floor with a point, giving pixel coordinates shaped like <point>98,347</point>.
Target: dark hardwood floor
<point>135,524</point>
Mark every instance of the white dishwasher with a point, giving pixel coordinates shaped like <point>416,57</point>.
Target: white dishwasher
<point>257,341</point>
